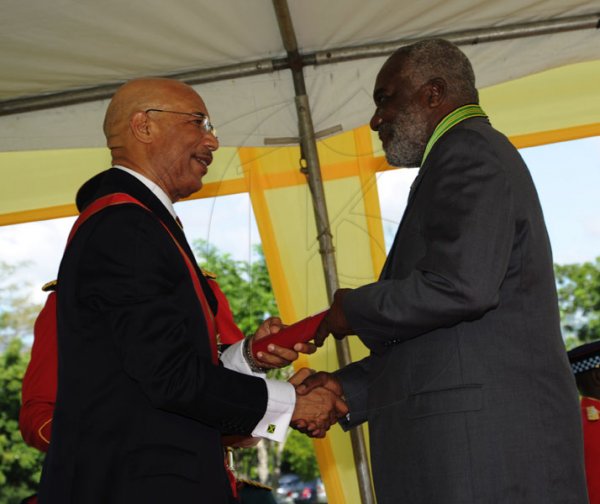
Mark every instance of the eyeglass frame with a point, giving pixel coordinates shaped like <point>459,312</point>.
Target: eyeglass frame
<point>206,124</point>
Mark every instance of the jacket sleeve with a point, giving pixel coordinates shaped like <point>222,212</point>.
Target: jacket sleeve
<point>354,380</point>
<point>464,224</point>
<point>39,382</point>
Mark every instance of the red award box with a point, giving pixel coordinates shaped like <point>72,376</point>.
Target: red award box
<point>300,332</point>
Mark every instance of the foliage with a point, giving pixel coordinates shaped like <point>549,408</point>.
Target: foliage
<point>246,284</point>
<point>299,458</point>
<point>579,300</point>
<point>20,465</point>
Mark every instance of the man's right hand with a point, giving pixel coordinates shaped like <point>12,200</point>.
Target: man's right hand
<point>334,321</point>
<point>320,379</point>
<point>316,411</point>
<point>318,392</point>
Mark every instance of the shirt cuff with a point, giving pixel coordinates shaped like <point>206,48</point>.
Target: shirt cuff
<point>280,407</point>
<point>233,358</point>
<point>281,396</point>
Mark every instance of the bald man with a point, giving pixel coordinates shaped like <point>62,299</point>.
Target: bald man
<point>142,402</point>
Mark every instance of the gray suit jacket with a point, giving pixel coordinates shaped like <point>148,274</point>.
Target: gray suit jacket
<point>467,390</point>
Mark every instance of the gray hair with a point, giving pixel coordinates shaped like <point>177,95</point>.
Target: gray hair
<point>433,58</point>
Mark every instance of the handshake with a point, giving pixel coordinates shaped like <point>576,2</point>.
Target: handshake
<point>319,402</point>
<point>319,396</point>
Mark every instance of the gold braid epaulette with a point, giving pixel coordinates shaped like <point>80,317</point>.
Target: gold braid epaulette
<point>208,274</point>
<point>255,484</point>
<point>50,286</point>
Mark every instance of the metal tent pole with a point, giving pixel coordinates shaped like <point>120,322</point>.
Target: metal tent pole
<point>310,155</point>
<point>334,55</point>
<point>466,37</point>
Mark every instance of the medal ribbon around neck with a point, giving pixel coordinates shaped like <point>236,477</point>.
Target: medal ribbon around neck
<point>452,119</point>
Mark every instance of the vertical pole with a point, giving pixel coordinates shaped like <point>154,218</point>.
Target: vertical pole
<point>308,146</point>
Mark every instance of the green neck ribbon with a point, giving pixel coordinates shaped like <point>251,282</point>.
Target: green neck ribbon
<point>452,119</point>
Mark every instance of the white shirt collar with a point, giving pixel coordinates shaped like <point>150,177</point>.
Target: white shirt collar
<point>154,187</point>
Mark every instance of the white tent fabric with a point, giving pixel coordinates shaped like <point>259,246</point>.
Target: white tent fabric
<point>68,44</point>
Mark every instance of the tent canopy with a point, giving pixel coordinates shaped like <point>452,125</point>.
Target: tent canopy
<point>50,47</point>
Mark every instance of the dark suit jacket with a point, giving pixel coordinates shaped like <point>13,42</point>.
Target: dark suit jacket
<point>467,390</point>
<point>140,407</point>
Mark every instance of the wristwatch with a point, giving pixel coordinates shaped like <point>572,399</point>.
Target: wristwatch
<point>250,358</point>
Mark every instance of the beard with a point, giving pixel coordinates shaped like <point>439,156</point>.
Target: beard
<point>408,138</point>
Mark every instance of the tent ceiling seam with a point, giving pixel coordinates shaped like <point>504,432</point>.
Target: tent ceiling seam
<point>330,56</point>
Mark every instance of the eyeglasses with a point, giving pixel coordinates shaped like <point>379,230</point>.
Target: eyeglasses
<point>202,120</point>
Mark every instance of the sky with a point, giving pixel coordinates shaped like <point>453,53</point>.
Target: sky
<point>567,177</point>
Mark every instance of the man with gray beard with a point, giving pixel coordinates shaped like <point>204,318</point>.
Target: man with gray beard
<point>467,390</point>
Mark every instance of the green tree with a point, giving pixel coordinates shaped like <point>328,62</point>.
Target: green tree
<point>298,456</point>
<point>20,465</point>
<point>246,284</point>
<point>579,300</point>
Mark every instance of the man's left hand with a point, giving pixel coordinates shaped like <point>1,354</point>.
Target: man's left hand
<point>278,356</point>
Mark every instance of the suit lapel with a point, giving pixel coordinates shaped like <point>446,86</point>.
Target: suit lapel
<point>413,191</point>
<point>115,180</point>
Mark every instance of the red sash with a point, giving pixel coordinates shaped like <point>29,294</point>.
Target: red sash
<point>122,198</point>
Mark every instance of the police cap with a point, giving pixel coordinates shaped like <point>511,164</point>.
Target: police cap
<point>585,357</point>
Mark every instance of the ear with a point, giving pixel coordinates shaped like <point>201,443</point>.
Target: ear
<point>140,127</point>
<point>436,92</point>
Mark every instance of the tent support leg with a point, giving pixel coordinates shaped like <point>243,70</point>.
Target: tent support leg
<point>308,146</point>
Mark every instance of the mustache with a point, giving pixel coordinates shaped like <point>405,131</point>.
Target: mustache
<point>386,129</point>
